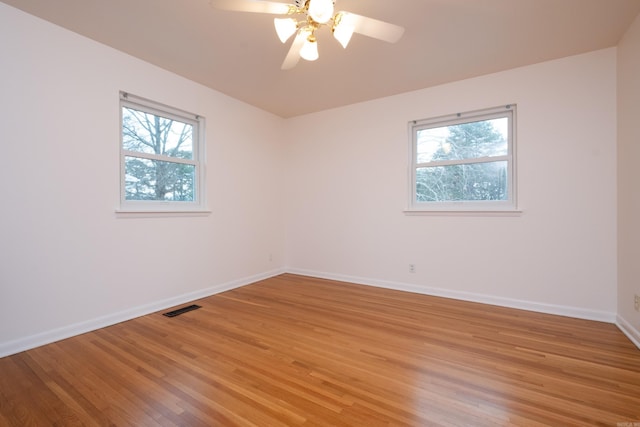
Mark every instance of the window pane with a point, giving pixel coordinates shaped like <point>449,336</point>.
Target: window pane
<point>477,181</point>
<point>471,140</point>
<point>152,134</point>
<point>156,180</point>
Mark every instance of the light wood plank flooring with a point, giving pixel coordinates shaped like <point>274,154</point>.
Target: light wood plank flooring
<point>297,351</point>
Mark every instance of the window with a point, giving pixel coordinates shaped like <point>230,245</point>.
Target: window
<point>161,160</point>
<point>464,162</point>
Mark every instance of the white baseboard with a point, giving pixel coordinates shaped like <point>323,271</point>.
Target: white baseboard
<point>47,337</point>
<point>632,333</point>
<point>576,312</point>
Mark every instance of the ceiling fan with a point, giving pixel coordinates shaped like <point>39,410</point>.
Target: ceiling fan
<point>307,16</point>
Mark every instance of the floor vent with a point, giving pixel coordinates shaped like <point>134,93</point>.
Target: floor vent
<point>174,313</point>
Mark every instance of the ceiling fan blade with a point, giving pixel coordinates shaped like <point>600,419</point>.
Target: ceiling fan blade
<point>374,28</point>
<point>293,56</point>
<point>252,6</point>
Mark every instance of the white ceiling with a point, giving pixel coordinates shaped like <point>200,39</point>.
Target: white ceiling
<point>240,55</point>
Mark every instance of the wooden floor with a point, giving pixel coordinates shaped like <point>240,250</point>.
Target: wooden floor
<point>296,351</point>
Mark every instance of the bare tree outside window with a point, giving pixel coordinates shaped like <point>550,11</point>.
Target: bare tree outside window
<point>155,150</point>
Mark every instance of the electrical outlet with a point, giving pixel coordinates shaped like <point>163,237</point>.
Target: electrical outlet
<point>412,268</point>
<point>636,302</point>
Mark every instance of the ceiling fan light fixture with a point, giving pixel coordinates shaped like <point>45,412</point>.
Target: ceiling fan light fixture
<point>309,49</point>
<point>285,28</point>
<point>343,28</point>
<point>321,11</point>
<point>305,17</point>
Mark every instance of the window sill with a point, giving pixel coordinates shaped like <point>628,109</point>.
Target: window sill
<point>453,212</point>
<point>150,213</point>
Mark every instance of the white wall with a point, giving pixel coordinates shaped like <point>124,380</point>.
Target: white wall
<point>68,263</point>
<point>628,180</point>
<point>345,213</point>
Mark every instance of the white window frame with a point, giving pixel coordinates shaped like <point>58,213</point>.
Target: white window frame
<point>472,206</point>
<point>164,206</point>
